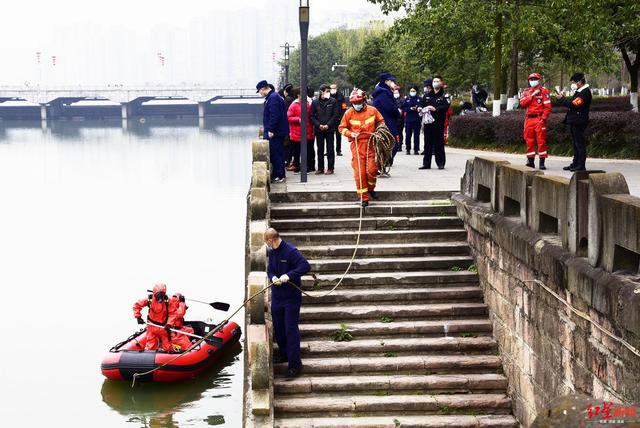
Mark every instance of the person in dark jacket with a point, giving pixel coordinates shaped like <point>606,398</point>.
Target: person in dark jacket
<point>286,93</point>
<point>437,104</point>
<point>285,268</point>
<point>412,121</point>
<point>384,102</point>
<point>324,116</point>
<point>479,98</point>
<point>342,108</point>
<point>400,120</point>
<point>276,128</point>
<point>577,118</point>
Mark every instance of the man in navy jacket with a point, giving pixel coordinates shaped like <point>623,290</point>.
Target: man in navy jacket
<point>285,269</point>
<point>387,106</point>
<point>276,128</point>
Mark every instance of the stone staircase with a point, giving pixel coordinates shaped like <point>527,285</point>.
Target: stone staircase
<point>422,352</point>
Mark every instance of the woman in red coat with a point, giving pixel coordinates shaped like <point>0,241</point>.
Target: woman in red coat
<point>293,114</point>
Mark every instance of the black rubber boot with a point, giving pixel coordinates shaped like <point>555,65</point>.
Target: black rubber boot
<point>531,163</point>
<point>542,167</point>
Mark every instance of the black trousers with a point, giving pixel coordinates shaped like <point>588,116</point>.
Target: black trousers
<point>338,136</point>
<point>325,141</point>
<point>311,156</point>
<point>413,130</point>
<point>579,145</point>
<point>434,144</point>
<point>295,154</point>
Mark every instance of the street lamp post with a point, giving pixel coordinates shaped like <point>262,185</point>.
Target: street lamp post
<point>304,35</point>
<point>286,62</point>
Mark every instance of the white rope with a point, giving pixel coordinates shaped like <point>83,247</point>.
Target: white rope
<point>586,317</point>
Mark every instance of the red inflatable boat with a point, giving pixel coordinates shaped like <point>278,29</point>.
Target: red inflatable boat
<point>126,358</point>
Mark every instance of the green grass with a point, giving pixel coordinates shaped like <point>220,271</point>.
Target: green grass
<point>444,410</point>
<point>468,335</point>
<point>473,268</point>
<point>342,335</point>
<point>386,319</point>
<point>390,354</point>
<point>396,423</point>
<point>456,269</point>
<point>381,393</point>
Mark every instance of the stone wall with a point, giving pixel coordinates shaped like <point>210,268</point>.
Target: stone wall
<point>551,252</point>
<point>258,372</point>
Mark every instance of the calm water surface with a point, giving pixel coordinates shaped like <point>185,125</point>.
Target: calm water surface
<point>91,216</point>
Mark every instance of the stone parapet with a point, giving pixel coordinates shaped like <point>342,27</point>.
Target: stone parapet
<point>564,323</point>
<point>258,410</point>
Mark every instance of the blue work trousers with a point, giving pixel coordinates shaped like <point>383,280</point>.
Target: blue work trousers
<point>276,152</point>
<point>286,315</point>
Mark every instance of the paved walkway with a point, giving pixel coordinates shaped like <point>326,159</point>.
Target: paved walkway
<point>406,176</point>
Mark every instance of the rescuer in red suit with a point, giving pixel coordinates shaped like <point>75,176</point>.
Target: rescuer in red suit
<point>177,310</point>
<point>158,305</point>
<point>537,101</point>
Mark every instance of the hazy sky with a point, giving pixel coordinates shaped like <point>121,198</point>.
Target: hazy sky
<point>79,30</point>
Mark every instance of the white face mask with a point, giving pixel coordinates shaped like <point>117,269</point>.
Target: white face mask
<point>534,83</point>
<point>396,95</point>
<point>326,95</point>
<point>436,85</point>
<point>574,87</point>
<point>334,91</point>
<point>413,93</point>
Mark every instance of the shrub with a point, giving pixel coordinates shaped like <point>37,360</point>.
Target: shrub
<point>610,134</point>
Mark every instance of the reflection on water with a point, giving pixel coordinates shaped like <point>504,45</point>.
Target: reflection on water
<point>91,216</point>
<point>154,405</point>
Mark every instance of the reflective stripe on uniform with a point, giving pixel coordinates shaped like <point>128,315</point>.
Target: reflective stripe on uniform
<point>531,154</point>
<point>542,153</point>
<point>547,102</point>
<point>355,122</point>
<point>360,191</point>
<point>345,132</point>
<point>370,120</point>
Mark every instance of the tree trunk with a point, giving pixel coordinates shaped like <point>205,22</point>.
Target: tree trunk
<point>497,78</point>
<point>633,75</point>
<point>513,76</point>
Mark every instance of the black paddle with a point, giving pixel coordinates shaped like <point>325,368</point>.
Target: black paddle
<point>221,306</point>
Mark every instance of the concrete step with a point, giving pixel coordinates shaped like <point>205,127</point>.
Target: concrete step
<point>374,236</point>
<point>390,279</point>
<point>449,383</point>
<point>395,264</point>
<point>417,345</point>
<point>454,327</point>
<point>368,223</point>
<point>386,250</point>
<point>372,404</point>
<point>408,295</point>
<point>397,310</point>
<point>401,420</point>
<point>352,209</point>
<point>412,364</point>
<point>326,197</point>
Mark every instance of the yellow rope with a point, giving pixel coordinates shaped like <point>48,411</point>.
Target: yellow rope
<point>377,138</point>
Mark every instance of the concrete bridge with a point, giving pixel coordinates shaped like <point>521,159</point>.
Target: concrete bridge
<point>484,295</point>
<point>54,100</point>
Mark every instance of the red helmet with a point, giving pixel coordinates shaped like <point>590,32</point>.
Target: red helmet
<point>357,96</point>
<point>535,76</point>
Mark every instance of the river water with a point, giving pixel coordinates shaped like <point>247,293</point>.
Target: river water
<point>91,216</point>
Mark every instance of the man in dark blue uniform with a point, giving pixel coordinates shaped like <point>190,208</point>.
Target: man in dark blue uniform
<point>437,103</point>
<point>285,269</point>
<point>412,120</point>
<point>577,118</point>
<point>276,128</point>
<point>384,102</point>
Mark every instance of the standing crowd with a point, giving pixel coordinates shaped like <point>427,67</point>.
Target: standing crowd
<point>329,118</point>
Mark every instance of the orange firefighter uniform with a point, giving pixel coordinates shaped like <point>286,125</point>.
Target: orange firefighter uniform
<point>537,101</point>
<point>358,126</point>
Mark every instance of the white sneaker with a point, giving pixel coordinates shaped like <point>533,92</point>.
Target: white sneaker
<point>279,180</point>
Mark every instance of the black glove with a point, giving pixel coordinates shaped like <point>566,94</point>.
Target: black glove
<point>167,328</point>
<point>140,320</point>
